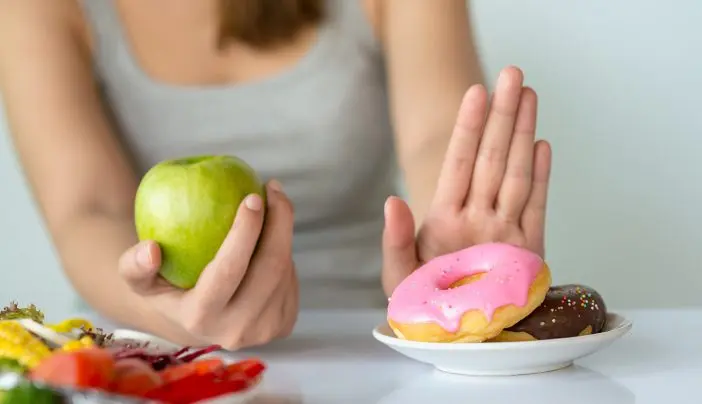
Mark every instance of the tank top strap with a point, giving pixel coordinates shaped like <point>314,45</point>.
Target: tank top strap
<point>352,20</point>
<point>105,27</point>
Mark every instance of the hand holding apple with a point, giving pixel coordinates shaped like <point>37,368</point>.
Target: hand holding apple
<point>187,206</point>
<point>246,293</point>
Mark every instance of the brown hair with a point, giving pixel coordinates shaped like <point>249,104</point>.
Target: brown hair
<point>265,23</point>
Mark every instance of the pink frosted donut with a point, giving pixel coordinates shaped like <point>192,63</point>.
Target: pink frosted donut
<point>470,295</point>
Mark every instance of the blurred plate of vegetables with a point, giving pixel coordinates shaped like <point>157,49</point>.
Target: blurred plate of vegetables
<point>74,362</point>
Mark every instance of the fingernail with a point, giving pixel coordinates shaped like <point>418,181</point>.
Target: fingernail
<point>386,207</point>
<point>503,80</point>
<point>507,76</point>
<point>253,202</point>
<point>144,256</point>
<point>275,185</point>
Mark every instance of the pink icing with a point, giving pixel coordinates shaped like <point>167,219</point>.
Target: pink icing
<point>424,295</point>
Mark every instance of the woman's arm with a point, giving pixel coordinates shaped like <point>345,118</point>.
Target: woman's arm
<point>80,177</point>
<point>431,62</point>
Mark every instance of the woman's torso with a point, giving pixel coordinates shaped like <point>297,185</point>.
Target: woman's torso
<point>320,125</point>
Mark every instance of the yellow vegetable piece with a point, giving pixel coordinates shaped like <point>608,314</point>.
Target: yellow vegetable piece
<point>25,357</point>
<point>19,344</point>
<point>70,325</point>
<point>84,342</point>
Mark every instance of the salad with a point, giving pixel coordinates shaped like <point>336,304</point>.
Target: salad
<point>53,360</point>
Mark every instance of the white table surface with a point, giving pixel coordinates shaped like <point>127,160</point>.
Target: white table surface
<point>333,358</point>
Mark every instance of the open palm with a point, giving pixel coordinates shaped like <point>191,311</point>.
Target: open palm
<point>493,184</point>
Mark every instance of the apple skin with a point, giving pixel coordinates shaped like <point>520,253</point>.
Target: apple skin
<point>188,206</point>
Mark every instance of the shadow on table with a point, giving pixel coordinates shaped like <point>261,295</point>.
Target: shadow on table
<point>572,385</point>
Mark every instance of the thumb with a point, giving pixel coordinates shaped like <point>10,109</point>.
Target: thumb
<point>139,265</point>
<point>399,248</point>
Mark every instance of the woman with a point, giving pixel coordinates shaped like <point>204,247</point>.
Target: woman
<point>319,95</point>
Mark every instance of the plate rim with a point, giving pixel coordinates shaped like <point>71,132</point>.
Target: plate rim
<point>623,328</point>
<point>128,333</point>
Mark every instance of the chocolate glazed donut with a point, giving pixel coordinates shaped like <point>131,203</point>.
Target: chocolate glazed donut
<point>567,311</point>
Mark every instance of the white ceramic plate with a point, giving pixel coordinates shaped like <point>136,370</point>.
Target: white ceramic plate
<point>505,358</point>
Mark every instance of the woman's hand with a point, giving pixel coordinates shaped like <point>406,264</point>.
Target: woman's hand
<point>247,295</point>
<point>493,183</point>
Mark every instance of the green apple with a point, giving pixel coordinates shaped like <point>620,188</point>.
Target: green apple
<point>188,206</point>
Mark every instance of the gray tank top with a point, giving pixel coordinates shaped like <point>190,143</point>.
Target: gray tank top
<point>321,127</point>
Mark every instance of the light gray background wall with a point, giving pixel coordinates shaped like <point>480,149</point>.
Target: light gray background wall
<point>620,87</point>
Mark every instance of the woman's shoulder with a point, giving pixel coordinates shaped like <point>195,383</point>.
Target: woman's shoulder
<point>28,20</point>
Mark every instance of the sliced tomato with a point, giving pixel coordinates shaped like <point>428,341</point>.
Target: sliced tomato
<point>204,366</point>
<point>84,368</point>
<point>196,387</point>
<point>134,377</point>
<point>206,379</point>
<point>250,368</point>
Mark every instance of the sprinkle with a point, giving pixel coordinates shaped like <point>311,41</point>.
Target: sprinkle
<point>542,324</point>
<point>553,320</point>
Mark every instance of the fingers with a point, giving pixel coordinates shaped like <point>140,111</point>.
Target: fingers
<point>223,275</point>
<point>281,213</point>
<point>273,259</point>
<point>139,266</point>
<point>494,147</point>
<point>278,316</point>
<point>399,248</point>
<point>454,181</point>
<point>290,308</point>
<point>534,216</point>
<point>236,291</point>
<point>516,183</point>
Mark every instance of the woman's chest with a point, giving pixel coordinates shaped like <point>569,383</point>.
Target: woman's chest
<point>323,131</point>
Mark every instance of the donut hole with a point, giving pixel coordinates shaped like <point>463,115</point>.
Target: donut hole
<point>466,280</point>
